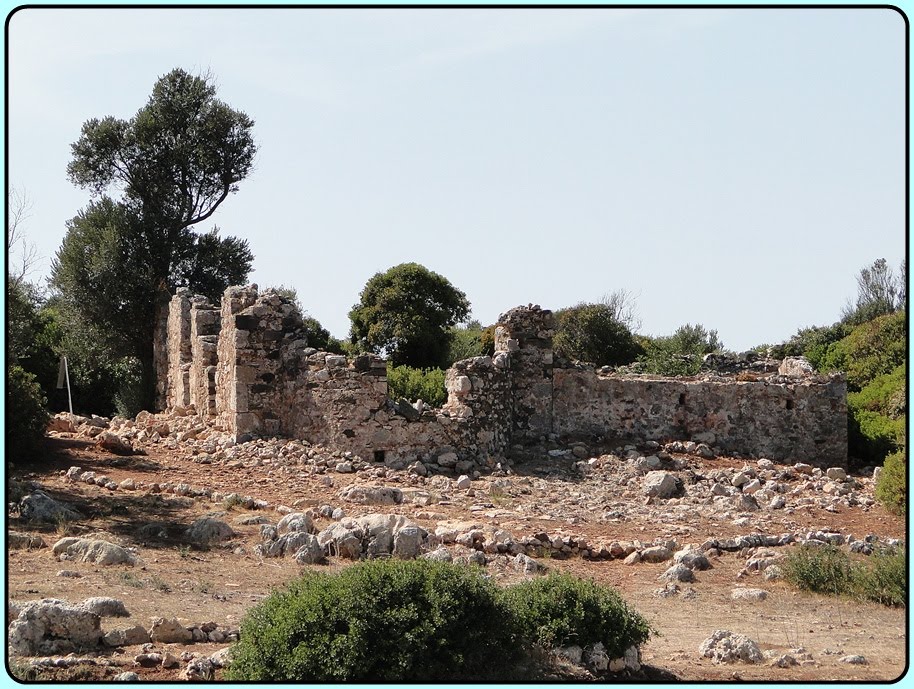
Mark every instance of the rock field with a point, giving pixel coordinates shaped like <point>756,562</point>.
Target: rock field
<point>167,520</point>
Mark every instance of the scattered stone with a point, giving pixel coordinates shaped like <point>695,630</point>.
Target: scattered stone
<point>40,507</point>
<point>855,660</point>
<point>50,626</point>
<point>105,607</point>
<point>169,631</point>
<point>657,553</point>
<point>127,677</point>
<point>659,484</point>
<point>372,495</point>
<point>23,541</point>
<point>726,647</point>
<point>753,595</point>
<point>463,482</point>
<point>208,530</point>
<point>92,550</point>
<point>679,573</point>
<point>132,636</point>
<point>107,440</point>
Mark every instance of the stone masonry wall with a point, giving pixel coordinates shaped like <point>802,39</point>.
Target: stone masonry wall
<point>783,418</point>
<point>204,340</point>
<point>258,376</point>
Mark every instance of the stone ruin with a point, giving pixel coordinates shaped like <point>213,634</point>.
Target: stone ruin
<point>247,368</point>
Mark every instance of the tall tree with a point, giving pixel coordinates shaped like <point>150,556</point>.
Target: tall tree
<point>877,293</point>
<point>406,313</point>
<point>171,166</point>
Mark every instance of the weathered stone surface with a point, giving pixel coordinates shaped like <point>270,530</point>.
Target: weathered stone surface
<point>40,507</point>
<point>746,594</point>
<point>53,626</point>
<point>310,552</point>
<point>92,550</point>
<point>659,484</point>
<point>678,572</point>
<point>131,636</point>
<point>113,443</point>
<point>24,541</point>
<point>209,530</point>
<point>296,521</point>
<point>657,553</point>
<point>105,607</point>
<point>726,647</point>
<point>372,495</point>
<point>169,631</point>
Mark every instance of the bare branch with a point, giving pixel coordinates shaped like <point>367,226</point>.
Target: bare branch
<point>19,209</point>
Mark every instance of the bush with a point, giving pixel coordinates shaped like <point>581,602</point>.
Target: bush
<point>560,610</point>
<point>26,414</point>
<point>829,570</point>
<point>872,349</point>
<point>679,354</point>
<point>822,569</point>
<point>473,340</point>
<point>426,384</point>
<point>892,486</point>
<point>885,580</point>
<point>382,620</point>
<point>594,333</point>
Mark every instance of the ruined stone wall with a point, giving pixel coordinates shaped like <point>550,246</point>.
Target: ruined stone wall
<point>231,393</point>
<point>258,376</point>
<point>782,418</point>
<point>177,390</point>
<point>525,333</point>
<point>204,340</point>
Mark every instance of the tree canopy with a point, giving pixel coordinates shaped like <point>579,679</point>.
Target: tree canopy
<point>153,177</point>
<point>406,313</point>
<point>598,332</point>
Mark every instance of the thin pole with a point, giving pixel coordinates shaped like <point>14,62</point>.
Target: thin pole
<point>66,370</point>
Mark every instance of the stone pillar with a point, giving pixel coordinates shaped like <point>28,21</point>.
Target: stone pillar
<point>204,339</point>
<point>525,333</point>
<point>177,392</point>
<point>232,394</point>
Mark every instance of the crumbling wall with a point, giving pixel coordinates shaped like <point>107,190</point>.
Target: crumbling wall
<point>177,391</point>
<point>204,341</point>
<point>525,333</point>
<point>259,376</point>
<point>778,417</point>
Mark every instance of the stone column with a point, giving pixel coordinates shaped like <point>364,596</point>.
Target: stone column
<point>525,333</point>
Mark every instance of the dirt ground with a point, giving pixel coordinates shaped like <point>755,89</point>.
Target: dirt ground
<point>219,584</point>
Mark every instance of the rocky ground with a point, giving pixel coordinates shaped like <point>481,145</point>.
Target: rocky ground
<point>183,530</point>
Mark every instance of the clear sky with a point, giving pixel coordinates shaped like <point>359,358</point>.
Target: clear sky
<point>734,168</point>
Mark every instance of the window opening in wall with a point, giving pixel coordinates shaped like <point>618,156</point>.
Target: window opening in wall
<point>379,455</point>
<point>681,398</point>
<point>790,404</point>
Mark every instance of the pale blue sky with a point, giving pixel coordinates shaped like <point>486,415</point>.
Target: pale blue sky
<point>730,167</point>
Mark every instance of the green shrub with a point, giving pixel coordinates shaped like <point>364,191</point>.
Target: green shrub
<point>426,384</point>
<point>382,620</point>
<point>822,569</point>
<point>892,486</point>
<point>26,414</point>
<point>884,580</point>
<point>872,349</point>
<point>472,340</point>
<point>594,333</point>
<point>679,354</point>
<point>559,610</point>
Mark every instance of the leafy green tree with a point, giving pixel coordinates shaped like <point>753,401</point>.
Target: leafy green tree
<point>174,163</point>
<point>471,340</point>
<point>871,349</point>
<point>406,313</point>
<point>595,333</point>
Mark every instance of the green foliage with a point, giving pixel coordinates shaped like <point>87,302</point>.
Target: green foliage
<point>407,313</point>
<point>34,334</point>
<point>822,569</point>
<point>26,414</point>
<point>560,610</point>
<point>679,354</point>
<point>378,621</point>
<point>884,580</point>
<point>471,340</point>
<point>892,486</point>
<point>813,343</point>
<point>871,349</point>
<point>594,333</point>
<point>426,384</point>
<point>829,570</point>
<point>879,292</point>
<point>876,419</point>
<point>173,164</point>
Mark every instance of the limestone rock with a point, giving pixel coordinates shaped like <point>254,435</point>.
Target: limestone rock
<point>372,495</point>
<point>131,636</point>
<point>678,572</point>
<point>40,507</point>
<point>310,552</point>
<point>657,553</point>
<point>748,594</point>
<point>659,484</point>
<point>296,521</point>
<point>726,647</point>
<point>23,541</point>
<point>52,626</point>
<point>692,558</point>
<point>169,631</point>
<point>105,607</point>
<point>92,550</point>
<point>209,530</point>
<point>112,442</point>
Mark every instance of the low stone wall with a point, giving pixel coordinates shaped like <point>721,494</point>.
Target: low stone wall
<point>248,365</point>
<point>779,417</point>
